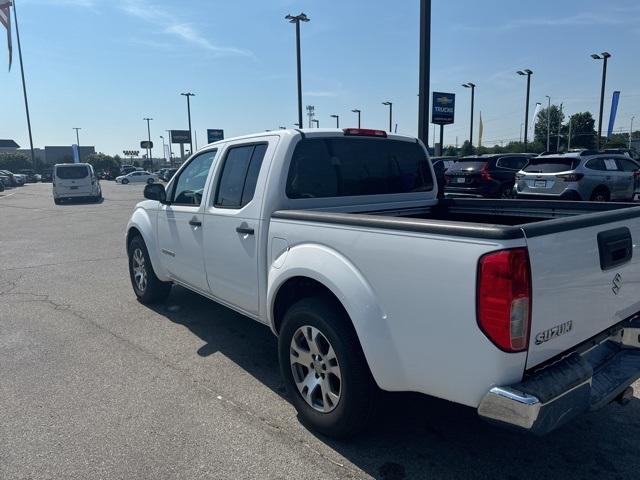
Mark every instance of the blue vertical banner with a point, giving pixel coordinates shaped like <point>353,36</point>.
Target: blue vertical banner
<point>614,111</point>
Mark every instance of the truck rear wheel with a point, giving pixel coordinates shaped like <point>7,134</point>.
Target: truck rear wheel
<point>324,369</point>
<point>146,285</point>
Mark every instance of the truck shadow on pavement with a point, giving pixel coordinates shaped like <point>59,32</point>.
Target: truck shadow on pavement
<point>414,436</point>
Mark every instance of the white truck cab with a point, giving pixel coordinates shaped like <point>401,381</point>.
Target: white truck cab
<point>524,310</point>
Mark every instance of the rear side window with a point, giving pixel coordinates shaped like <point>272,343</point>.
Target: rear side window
<point>551,165</point>
<point>343,167</point>
<point>239,175</point>
<point>627,165</point>
<point>75,172</point>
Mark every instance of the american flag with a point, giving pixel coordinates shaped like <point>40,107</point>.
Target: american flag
<point>5,19</point>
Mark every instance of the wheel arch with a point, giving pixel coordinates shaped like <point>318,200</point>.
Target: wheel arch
<point>142,226</point>
<point>311,270</point>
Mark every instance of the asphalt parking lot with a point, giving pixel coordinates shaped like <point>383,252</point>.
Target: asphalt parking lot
<point>95,385</point>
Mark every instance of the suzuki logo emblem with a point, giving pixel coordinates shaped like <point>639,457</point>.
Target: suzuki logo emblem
<point>617,284</point>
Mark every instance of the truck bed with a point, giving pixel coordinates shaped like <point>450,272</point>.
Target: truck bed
<point>480,218</point>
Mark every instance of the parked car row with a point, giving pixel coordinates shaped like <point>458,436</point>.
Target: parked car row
<point>599,176</point>
<point>167,174</point>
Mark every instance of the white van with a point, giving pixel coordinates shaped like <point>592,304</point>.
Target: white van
<point>75,180</point>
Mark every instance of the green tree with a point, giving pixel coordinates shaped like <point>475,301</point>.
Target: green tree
<point>583,132</point>
<point>14,161</point>
<point>467,149</point>
<point>556,117</point>
<point>104,163</point>
<point>451,152</point>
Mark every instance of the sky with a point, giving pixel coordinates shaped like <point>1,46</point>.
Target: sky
<point>104,65</point>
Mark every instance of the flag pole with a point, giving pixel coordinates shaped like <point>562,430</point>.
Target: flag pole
<point>24,86</point>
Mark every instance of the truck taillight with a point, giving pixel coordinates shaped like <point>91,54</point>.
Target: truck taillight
<point>504,298</point>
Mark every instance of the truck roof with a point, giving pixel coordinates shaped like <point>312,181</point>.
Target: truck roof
<point>307,132</point>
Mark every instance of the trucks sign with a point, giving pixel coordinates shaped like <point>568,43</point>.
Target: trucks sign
<point>444,106</point>
<point>214,135</point>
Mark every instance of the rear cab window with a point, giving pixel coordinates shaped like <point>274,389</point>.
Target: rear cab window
<point>344,167</point>
<point>72,172</point>
<point>551,165</point>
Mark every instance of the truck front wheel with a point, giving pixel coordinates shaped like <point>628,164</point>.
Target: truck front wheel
<point>146,285</point>
<point>324,369</point>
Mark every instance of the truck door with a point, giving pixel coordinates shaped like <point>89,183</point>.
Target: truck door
<point>233,229</point>
<point>180,231</point>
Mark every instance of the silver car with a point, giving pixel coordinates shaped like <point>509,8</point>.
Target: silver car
<point>599,177</point>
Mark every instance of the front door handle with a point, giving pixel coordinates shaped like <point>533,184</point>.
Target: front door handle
<point>245,230</point>
<point>194,222</point>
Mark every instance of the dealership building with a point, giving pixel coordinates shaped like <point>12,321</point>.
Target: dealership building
<point>49,155</point>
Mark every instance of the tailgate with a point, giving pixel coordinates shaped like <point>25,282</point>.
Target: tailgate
<point>584,280</point>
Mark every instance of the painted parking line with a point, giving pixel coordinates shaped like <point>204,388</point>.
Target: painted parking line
<point>8,195</point>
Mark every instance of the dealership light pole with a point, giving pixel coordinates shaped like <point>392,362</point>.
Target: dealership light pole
<point>390,105</point>
<point>296,20</point>
<point>78,141</point>
<point>528,74</point>
<point>355,110</point>
<point>472,86</point>
<point>188,95</point>
<point>149,150</point>
<point>548,121</point>
<point>337,117</point>
<point>604,56</point>
<point>425,64</point>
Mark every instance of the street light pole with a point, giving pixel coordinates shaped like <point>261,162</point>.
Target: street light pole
<point>548,120</point>
<point>170,148</point>
<point>337,117</point>
<point>297,19</point>
<point>150,150</point>
<point>472,86</point>
<point>390,105</point>
<point>425,65</point>
<point>528,73</point>
<point>189,94</point>
<point>604,56</point>
<point>631,131</point>
<point>355,110</point>
<point>78,142</point>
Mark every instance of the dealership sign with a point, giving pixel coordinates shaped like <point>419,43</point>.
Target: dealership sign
<point>214,135</point>
<point>444,106</point>
<point>146,144</point>
<point>180,136</point>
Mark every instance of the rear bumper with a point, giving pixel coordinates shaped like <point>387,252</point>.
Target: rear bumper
<point>565,195</point>
<point>577,384</point>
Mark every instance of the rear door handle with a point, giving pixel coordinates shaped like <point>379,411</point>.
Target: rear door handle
<point>245,230</point>
<point>194,222</point>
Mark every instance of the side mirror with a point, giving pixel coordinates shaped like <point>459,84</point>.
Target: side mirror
<point>155,191</point>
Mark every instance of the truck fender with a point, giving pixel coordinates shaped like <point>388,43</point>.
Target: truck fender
<point>141,221</point>
<point>346,282</point>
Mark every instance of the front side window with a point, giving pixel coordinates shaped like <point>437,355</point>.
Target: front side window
<point>190,184</point>
<point>342,167</point>
<point>239,175</point>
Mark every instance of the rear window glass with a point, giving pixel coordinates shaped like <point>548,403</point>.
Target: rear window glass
<point>341,167</point>
<point>551,165</point>
<point>74,172</point>
<point>467,165</point>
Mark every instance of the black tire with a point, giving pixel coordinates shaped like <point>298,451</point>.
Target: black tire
<point>125,181</point>
<point>154,290</point>
<point>507,192</point>
<point>358,391</point>
<point>600,194</point>
<point>150,181</point>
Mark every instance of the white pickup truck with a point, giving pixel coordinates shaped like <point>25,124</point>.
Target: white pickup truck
<point>527,311</point>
